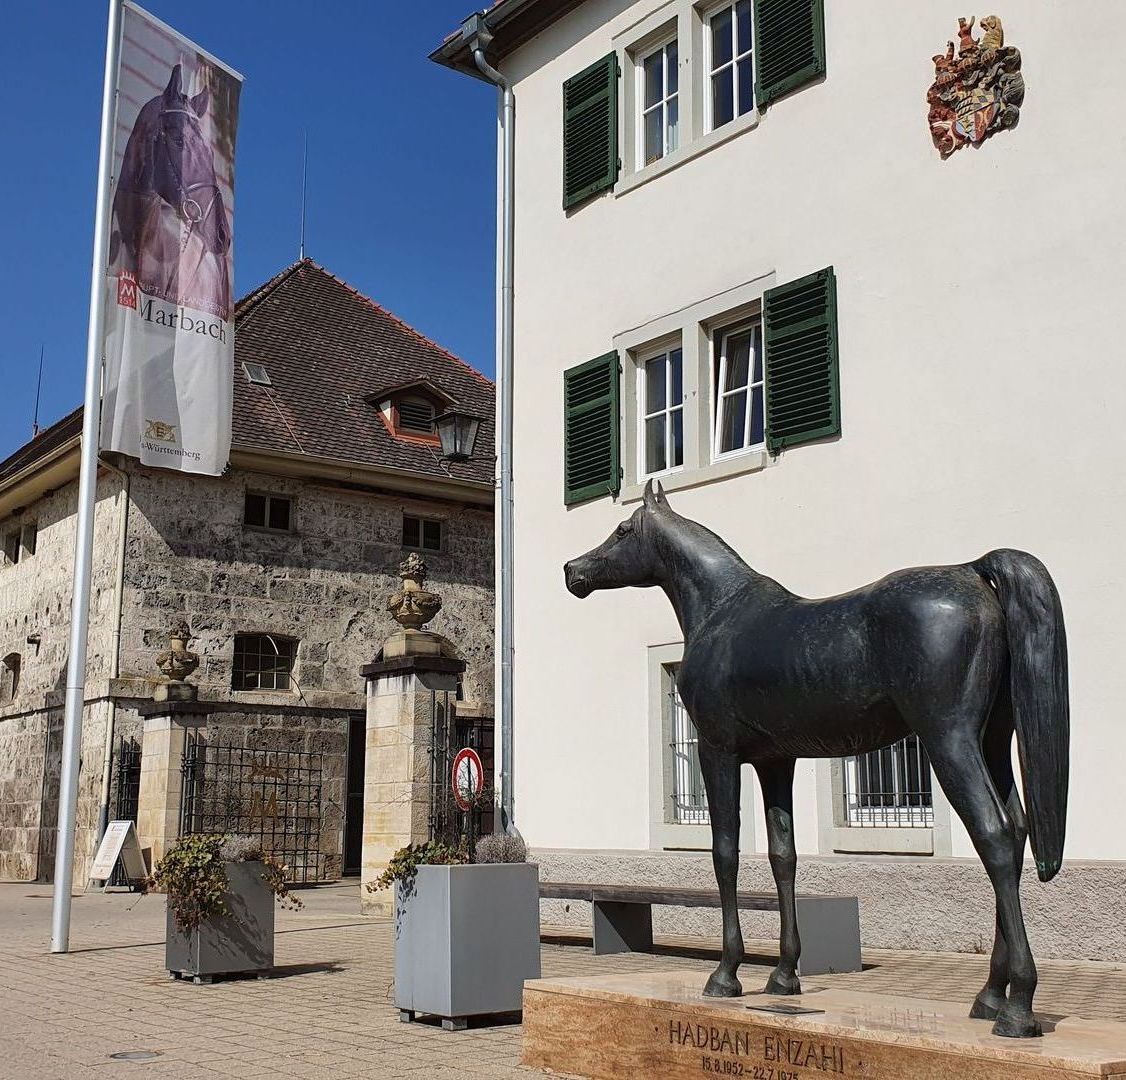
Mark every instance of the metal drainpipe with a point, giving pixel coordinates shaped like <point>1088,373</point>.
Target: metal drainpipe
<point>478,37</point>
<point>115,647</point>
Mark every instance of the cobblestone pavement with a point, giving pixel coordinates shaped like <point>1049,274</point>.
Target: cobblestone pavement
<point>328,1011</point>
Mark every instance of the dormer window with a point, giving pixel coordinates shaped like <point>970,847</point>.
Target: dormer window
<point>416,415</point>
<point>409,409</point>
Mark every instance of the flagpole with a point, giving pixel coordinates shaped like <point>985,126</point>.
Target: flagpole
<point>87,484</point>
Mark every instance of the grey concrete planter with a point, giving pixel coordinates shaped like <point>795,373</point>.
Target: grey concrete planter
<point>240,942</point>
<point>466,938</point>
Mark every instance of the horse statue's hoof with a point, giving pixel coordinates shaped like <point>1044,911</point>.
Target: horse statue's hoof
<point>782,984</point>
<point>720,984</point>
<point>1017,1026</point>
<point>987,1005</point>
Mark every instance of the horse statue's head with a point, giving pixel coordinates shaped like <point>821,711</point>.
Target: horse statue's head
<point>627,557</point>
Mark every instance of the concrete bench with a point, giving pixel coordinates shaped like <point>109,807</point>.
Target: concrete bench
<point>622,918</point>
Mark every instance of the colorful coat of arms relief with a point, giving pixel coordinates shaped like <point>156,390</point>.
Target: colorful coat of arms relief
<point>976,92</point>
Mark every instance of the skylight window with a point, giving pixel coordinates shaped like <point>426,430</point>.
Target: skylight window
<point>257,374</point>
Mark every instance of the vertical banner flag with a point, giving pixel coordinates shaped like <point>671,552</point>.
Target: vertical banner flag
<point>169,343</point>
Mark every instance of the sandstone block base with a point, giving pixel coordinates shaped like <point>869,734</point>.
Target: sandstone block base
<point>661,1025</point>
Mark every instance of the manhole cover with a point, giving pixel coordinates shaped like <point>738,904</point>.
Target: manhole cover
<point>136,1055</point>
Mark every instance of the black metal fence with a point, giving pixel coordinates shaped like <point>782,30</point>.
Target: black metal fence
<point>449,734</point>
<point>127,792</point>
<point>271,795</point>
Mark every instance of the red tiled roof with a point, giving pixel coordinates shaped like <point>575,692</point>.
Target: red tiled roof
<point>326,347</point>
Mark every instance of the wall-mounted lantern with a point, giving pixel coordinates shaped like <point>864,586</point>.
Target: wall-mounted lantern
<point>458,433</point>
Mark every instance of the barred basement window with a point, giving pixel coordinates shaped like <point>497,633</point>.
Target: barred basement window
<point>263,662</point>
<point>422,534</point>
<point>273,512</point>
<point>889,788</point>
<point>9,678</point>
<point>688,803</point>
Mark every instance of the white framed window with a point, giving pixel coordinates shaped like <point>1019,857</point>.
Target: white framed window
<point>660,412</point>
<point>687,801</point>
<point>422,534</point>
<point>658,96</point>
<point>738,422</point>
<point>728,55</point>
<point>889,788</point>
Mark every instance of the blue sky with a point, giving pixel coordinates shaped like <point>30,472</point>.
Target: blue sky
<point>401,170</point>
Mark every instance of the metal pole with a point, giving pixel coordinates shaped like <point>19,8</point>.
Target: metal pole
<point>507,225</point>
<point>87,484</point>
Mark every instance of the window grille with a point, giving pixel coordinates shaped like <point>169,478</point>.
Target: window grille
<point>263,662</point>
<point>688,802</point>
<point>889,788</point>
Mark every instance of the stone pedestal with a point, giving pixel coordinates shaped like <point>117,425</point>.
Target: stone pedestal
<point>167,724</point>
<point>402,693</point>
<point>660,1024</point>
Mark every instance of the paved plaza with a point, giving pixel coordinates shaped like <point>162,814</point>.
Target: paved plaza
<point>328,1011</point>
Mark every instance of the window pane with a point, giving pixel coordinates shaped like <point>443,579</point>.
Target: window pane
<point>756,416</point>
<point>672,70</point>
<point>723,97</point>
<point>655,459</point>
<point>279,514</point>
<point>674,124</point>
<point>721,38</point>
<point>676,376</point>
<point>746,86</point>
<point>654,78</point>
<point>743,22</point>
<point>734,422</point>
<point>432,535</point>
<point>738,360</point>
<point>677,423</point>
<point>756,340</point>
<point>654,141</point>
<point>655,384</point>
<point>412,532</point>
<point>254,512</point>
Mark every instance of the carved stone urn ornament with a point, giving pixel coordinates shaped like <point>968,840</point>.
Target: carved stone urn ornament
<point>413,606</point>
<point>977,92</point>
<point>176,664</point>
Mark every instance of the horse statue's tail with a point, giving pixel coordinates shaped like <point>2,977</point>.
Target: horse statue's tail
<point>1038,673</point>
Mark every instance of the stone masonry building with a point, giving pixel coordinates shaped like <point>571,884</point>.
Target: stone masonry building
<point>282,567</point>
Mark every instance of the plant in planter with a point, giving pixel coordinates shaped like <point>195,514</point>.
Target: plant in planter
<point>467,934</point>
<point>221,892</point>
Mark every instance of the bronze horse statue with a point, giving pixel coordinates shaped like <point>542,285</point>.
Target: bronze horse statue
<point>959,655</point>
<point>170,226</point>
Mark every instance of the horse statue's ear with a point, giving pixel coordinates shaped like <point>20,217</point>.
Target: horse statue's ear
<point>200,101</point>
<point>661,494</point>
<point>649,499</point>
<point>174,89</point>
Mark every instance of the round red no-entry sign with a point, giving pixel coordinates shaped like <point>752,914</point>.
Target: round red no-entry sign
<point>468,778</point>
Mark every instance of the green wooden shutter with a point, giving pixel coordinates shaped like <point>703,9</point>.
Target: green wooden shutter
<point>591,439</point>
<point>590,131</point>
<point>790,40</point>
<point>803,398</point>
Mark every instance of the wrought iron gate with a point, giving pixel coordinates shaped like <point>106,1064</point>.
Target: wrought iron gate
<point>127,783</point>
<point>271,795</point>
<point>449,734</point>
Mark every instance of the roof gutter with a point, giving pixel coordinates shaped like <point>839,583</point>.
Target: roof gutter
<point>54,469</point>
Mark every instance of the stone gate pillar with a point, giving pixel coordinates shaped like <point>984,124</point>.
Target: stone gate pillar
<point>413,678</point>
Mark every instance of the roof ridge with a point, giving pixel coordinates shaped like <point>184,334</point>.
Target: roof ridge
<point>405,325</point>
<point>245,307</point>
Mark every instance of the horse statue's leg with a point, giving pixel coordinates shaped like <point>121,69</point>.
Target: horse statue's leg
<point>997,747</point>
<point>777,782</point>
<point>956,757</point>
<point>722,782</point>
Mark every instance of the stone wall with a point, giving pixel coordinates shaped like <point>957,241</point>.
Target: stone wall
<point>906,902</point>
<point>189,555</point>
